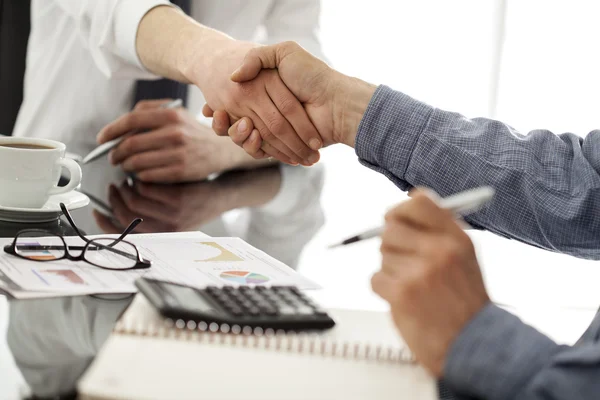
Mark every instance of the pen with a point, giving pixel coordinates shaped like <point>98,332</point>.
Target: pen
<point>461,203</point>
<point>108,146</point>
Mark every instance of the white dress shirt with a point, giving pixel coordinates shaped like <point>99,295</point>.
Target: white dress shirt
<point>82,66</point>
<point>82,62</point>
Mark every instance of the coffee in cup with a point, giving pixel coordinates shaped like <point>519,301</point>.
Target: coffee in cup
<point>30,169</point>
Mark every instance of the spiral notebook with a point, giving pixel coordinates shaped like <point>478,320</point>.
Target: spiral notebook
<point>362,357</point>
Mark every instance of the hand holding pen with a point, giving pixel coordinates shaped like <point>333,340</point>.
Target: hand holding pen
<point>461,204</point>
<point>105,148</point>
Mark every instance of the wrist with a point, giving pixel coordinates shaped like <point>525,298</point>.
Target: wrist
<point>202,50</point>
<point>350,101</point>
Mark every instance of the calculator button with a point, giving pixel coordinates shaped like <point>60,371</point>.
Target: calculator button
<point>286,310</point>
<point>253,311</point>
<point>236,311</point>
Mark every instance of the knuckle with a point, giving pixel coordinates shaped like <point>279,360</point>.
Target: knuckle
<point>132,119</point>
<point>386,237</point>
<point>177,137</point>
<point>132,144</point>
<point>246,89</point>
<point>132,163</point>
<point>178,173</point>
<point>174,115</point>
<point>286,105</point>
<point>275,123</point>
<point>450,250</point>
<point>266,133</point>
<point>290,45</point>
<point>181,158</point>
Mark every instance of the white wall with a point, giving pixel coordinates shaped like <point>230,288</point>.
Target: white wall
<point>443,52</point>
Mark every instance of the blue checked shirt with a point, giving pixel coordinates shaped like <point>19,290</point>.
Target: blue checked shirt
<point>547,195</point>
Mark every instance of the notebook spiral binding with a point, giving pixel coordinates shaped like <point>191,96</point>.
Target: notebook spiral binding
<point>307,343</point>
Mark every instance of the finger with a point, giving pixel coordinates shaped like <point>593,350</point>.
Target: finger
<point>105,224</point>
<point>270,113</point>
<point>150,104</point>
<point>221,122</point>
<point>253,145</point>
<point>276,130</point>
<point>166,174</point>
<point>244,135</point>
<point>256,59</point>
<point>144,206</point>
<point>163,138</point>
<point>401,237</point>
<point>385,286</point>
<point>271,151</point>
<point>262,57</point>
<point>139,120</point>
<point>291,108</point>
<point>207,111</point>
<point>153,159</point>
<point>423,213</point>
<point>240,131</point>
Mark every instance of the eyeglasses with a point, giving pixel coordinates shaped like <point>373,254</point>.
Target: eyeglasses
<point>106,253</point>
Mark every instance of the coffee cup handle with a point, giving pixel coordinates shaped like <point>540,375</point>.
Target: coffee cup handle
<point>75,180</point>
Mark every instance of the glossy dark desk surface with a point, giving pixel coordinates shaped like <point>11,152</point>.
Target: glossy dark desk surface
<point>51,342</point>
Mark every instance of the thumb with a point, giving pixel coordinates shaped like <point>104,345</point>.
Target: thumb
<point>263,57</point>
<point>255,60</point>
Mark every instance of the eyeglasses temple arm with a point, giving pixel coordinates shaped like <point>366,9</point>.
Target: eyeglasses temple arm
<point>72,223</point>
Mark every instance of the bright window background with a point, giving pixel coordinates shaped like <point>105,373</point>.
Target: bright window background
<point>532,64</point>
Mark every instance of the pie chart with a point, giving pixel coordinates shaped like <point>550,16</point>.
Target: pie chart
<point>244,277</point>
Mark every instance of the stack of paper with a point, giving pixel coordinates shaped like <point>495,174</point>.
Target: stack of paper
<point>193,259</point>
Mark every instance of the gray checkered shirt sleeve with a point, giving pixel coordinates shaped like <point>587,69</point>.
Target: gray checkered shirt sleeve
<point>546,195</point>
<point>547,185</point>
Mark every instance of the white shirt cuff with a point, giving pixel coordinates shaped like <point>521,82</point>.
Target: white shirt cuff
<point>128,15</point>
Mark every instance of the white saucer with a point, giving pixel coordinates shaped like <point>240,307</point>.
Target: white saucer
<point>48,212</point>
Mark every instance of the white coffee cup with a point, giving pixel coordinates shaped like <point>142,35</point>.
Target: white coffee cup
<point>30,169</point>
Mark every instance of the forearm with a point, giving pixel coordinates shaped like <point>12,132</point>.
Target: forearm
<point>546,185</point>
<point>498,357</point>
<point>171,44</point>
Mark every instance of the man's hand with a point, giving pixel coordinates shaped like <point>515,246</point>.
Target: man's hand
<point>430,277</point>
<point>172,45</point>
<point>185,207</point>
<point>176,148</point>
<point>334,102</point>
<point>274,111</point>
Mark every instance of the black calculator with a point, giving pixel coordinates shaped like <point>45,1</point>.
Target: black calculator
<point>274,307</point>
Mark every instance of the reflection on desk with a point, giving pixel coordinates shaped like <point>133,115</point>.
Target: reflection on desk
<point>276,209</point>
<point>54,341</point>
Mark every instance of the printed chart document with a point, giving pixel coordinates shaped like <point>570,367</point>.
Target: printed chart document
<point>196,261</point>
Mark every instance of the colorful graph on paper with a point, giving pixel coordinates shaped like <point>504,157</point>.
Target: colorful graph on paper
<point>41,255</point>
<point>244,277</point>
<point>61,275</point>
<point>211,251</point>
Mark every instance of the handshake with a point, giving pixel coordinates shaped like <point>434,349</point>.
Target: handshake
<point>312,105</point>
